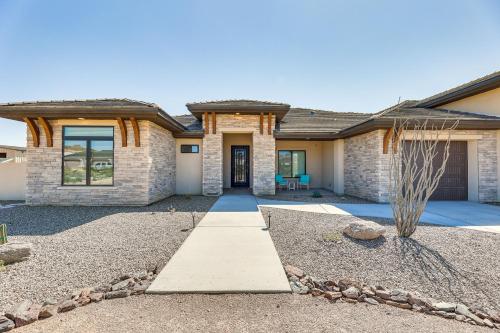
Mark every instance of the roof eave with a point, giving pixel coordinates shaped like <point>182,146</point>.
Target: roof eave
<point>474,89</point>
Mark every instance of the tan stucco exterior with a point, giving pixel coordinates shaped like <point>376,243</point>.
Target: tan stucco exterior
<point>189,167</point>
<point>486,103</point>
<point>13,180</point>
<point>314,158</point>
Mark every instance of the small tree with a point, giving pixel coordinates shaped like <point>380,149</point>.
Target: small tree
<point>414,171</point>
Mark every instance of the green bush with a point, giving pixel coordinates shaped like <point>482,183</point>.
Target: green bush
<point>316,194</point>
<point>3,234</point>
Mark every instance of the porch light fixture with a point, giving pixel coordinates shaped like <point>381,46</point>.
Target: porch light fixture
<point>237,113</point>
<point>81,118</point>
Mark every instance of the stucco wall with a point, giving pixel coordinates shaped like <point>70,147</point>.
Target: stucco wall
<point>12,180</point>
<point>367,168</point>
<point>487,103</point>
<point>327,165</point>
<point>136,182</point>
<point>314,158</point>
<point>235,139</point>
<point>188,168</point>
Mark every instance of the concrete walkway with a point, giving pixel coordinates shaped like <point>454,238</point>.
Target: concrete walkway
<point>228,252</point>
<point>460,214</point>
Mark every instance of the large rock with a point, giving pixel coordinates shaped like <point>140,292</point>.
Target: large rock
<point>464,311</point>
<point>294,271</point>
<point>6,324</point>
<point>24,313</point>
<point>363,229</point>
<point>12,252</point>
<point>351,292</point>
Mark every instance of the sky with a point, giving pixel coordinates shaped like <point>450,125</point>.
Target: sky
<point>347,56</point>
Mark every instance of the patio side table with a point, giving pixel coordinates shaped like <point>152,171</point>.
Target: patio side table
<point>292,186</point>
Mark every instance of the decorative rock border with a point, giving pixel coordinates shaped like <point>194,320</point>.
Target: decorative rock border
<point>353,291</point>
<point>28,312</point>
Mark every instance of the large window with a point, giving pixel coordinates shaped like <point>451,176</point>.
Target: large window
<point>291,163</point>
<point>88,156</point>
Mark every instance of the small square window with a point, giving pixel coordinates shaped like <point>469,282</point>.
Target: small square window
<point>190,149</point>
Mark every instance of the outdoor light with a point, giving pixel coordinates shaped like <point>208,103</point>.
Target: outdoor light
<point>193,215</point>
<point>81,118</point>
<point>269,220</point>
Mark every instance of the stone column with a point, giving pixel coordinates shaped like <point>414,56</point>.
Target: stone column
<point>264,163</point>
<point>212,164</point>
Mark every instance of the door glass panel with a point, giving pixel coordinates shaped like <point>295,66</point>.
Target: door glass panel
<point>101,163</point>
<point>239,166</point>
<point>75,161</point>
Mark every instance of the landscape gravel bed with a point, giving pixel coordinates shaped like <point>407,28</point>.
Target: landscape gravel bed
<point>77,247</point>
<point>449,264</point>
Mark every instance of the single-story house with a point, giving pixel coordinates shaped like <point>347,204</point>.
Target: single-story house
<point>7,152</point>
<point>126,152</point>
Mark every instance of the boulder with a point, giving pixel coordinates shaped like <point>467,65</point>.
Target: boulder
<point>123,284</point>
<point>96,297</point>
<point>444,306</point>
<point>371,301</point>
<point>24,313</point>
<point>47,311</point>
<point>299,288</point>
<point>399,305</point>
<point>351,292</point>
<point>6,324</point>
<point>399,295</point>
<point>364,230</point>
<point>117,294</point>
<point>294,271</point>
<point>67,305</point>
<point>12,252</point>
<point>332,295</point>
<point>464,311</point>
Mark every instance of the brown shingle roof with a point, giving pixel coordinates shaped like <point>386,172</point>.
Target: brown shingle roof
<point>105,102</point>
<point>310,120</point>
<point>485,83</point>
<point>236,103</point>
<point>189,121</point>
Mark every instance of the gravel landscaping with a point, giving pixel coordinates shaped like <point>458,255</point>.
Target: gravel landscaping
<point>77,247</point>
<point>242,313</point>
<point>449,264</point>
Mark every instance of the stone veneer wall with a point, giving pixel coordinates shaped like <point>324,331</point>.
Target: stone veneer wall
<point>364,165</point>
<point>138,179</point>
<point>366,172</point>
<point>263,153</point>
<point>162,163</point>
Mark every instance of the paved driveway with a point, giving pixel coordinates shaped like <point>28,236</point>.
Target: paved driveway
<point>462,214</point>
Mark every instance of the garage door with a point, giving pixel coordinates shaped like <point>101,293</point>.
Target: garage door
<point>453,183</point>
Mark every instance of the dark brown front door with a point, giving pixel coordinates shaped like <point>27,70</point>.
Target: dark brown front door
<point>453,183</point>
<point>240,166</point>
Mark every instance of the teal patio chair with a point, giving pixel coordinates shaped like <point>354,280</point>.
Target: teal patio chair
<point>280,181</point>
<point>304,180</point>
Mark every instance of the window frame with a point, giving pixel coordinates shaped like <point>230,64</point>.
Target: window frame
<point>190,152</point>
<point>291,161</point>
<point>88,154</point>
